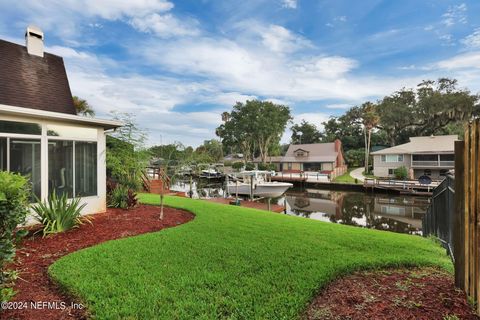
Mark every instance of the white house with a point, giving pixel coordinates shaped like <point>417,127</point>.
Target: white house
<point>41,135</point>
<point>432,156</point>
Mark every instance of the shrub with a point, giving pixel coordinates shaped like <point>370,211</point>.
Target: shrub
<point>120,196</point>
<point>267,166</point>
<point>58,214</point>
<point>237,165</point>
<point>228,163</point>
<point>401,173</point>
<point>14,202</point>
<point>250,166</point>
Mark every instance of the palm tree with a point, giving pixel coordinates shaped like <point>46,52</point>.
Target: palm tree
<point>370,120</point>
<point>82,107</point>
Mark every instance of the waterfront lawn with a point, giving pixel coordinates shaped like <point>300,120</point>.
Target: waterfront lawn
<point>346,177</point>
<point>230,262</point>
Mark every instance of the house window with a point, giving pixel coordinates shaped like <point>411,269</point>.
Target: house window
<point>3,154</point>
<point>392,158</point>
<point>425,157</point>
<point>20,127</point>
<point>60,167</point>
<point>289,166</point>
<point>447,157</point>
<point>69,174</point>
<point>25,160</point>
<point>85,168</point>
<point>391,171</point>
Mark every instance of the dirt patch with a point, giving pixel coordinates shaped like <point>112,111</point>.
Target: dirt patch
<point>424,293</point>
<point>36,254</point>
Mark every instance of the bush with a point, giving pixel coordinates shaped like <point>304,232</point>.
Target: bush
<point>120,196</point>
<point>267,166</point>
<point>250,166</point>
<point>401,173</point>
<point>14,202</point>
<point>59,214</point>
<point>237,165</point>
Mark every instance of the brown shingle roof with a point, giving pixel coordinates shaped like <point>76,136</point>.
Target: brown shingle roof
<point>34,82</point>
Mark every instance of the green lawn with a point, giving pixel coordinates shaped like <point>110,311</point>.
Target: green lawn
<point>346,177</point>
<point>229,262</point>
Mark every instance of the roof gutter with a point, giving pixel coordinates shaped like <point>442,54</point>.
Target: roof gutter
<point>57,116</point>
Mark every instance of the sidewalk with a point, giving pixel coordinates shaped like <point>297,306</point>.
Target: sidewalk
<point>357,174</point>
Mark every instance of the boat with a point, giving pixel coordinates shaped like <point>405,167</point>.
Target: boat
<point>255,183</point>
<point>211,174</point>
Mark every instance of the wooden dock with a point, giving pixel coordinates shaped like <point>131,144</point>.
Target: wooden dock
<point>249,204</point>
<point>405,187</point>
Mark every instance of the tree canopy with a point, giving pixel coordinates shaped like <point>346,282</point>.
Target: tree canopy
<point>305,132</point>
<point>82,107</point>
<point>254,128</point>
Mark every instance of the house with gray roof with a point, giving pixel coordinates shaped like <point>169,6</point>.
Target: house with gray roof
<point>432,156</point>
<point>318,157</point>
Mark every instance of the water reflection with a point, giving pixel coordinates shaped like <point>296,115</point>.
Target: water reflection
<point>395,213</point>
<point>378,211</point>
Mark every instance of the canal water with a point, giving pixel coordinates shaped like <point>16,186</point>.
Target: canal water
<point>397,213</point>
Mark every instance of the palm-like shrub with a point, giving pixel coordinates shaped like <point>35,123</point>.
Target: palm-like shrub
<point>58,214</point>
<point>120,196</point>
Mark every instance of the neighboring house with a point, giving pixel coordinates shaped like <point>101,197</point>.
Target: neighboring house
<point>433,156</point>
<point>234,157</point>
<point>41,136</point>
<point>318,157</point>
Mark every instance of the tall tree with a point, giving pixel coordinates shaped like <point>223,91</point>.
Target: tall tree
<point>370,120</point>
<point>212,148</point>
<point>254,126</point>
<point>432,107</point>
<point>305,132</point>
<point>82,107</point>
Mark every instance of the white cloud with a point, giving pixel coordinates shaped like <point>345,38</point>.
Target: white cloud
<point>69,18</point>
<point>282,40</point>
<point>339,106</point>
<point>326,66</point>
<point>461,61</point>
<point>165,25</point>
<point>291,4</point>
<point>455,15</point>
<point>472,40</point>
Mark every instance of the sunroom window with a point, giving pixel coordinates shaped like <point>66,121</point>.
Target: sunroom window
<point>72,168</point>
<point>25,159</point>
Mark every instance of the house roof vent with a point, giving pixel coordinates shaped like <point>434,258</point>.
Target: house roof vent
<point>34,41</point>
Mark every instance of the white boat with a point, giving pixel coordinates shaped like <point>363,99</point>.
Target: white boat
<point>256,182</point>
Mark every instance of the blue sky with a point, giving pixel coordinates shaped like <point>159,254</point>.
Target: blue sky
<point>178,64</point>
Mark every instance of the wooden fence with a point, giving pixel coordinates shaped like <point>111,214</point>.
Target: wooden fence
<point>466,224</point>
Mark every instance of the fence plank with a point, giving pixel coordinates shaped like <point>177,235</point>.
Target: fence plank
<point>459,217</point>
<point>466,267</point>
<point>476,219</point>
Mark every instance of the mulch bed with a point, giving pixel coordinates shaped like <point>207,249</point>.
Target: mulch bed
<point>36,254</point>
<point>420,293</point>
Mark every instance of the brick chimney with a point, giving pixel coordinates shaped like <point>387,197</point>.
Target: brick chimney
<point>338,145</point>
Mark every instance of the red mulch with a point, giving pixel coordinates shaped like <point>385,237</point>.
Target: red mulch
<point>422,293</point>
<point>36,254</point>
